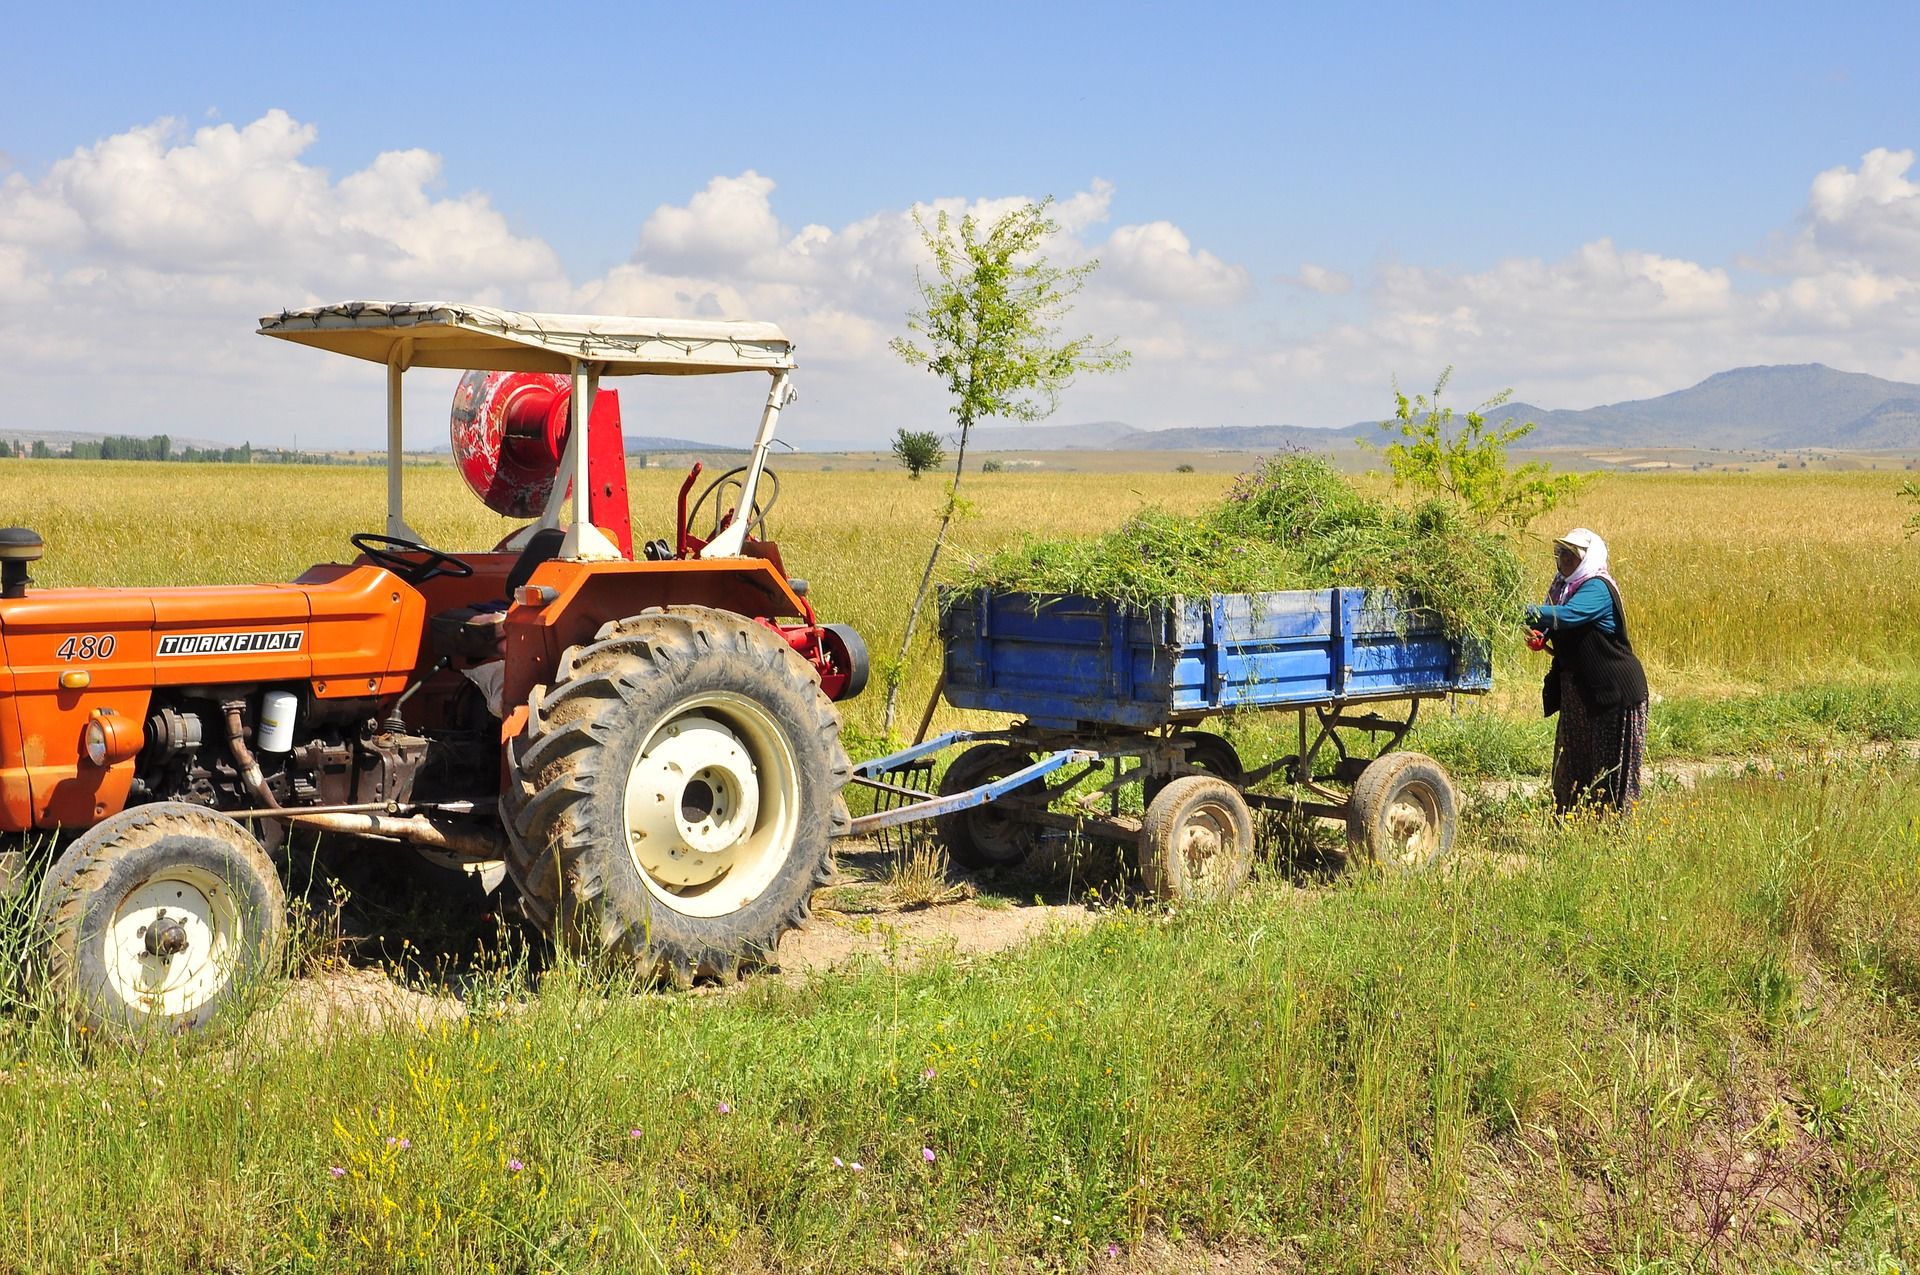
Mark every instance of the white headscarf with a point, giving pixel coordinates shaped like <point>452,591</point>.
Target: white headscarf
<point>1593,562</point>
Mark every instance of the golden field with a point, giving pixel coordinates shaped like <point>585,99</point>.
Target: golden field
<point>1735,583</point>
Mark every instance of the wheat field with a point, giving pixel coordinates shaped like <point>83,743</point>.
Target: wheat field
<point>1735,583</point>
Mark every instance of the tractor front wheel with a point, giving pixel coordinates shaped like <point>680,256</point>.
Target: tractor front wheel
<point>157,919</point>
<point>680,788</point>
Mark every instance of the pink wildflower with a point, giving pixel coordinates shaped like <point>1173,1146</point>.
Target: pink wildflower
<point>926,1153</point>
<point>337,1171</point>
<point>725,1110</point>
<point>514,1166</point>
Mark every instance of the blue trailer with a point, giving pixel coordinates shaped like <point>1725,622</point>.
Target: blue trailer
<point>1107,696</point>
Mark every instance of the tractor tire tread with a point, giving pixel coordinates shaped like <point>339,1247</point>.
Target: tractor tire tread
<point>563,765</point>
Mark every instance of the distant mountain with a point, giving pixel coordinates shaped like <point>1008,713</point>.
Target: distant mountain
<point>651,443</point>
<point>1801,405</point>
<point>1787,406</point>
<point>1118,436</point>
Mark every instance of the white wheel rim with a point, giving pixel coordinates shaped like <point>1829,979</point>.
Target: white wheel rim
<point>1207,842</point>
<point>173,942</point>
<point>1412,826</point>
<point>712,804</point>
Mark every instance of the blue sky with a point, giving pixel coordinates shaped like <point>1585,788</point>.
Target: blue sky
<point>1295,204</point>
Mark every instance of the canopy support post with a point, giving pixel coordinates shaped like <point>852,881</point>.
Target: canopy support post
<point>731,542</point>
<point>584,541</point>
<point>397,365</point>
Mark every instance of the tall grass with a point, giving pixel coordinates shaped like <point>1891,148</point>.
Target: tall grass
<point>1678,1043</point>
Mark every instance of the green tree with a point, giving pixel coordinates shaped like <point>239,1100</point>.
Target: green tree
<point>1467,461</point>
<point>1912,492</point>
<point>918,450</point>
<point>989,331</point>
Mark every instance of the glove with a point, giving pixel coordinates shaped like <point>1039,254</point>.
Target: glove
<point>1536,640</point>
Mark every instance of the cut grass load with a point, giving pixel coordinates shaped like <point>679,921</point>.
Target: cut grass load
<point>1292,523</point>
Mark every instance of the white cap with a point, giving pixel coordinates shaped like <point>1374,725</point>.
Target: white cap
<point>1579,539</point>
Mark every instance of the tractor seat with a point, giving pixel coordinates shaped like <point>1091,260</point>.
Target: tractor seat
<point>474,631</point>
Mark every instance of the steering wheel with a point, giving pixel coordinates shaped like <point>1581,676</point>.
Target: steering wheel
<point>735,478</point>
<point>386,551</point>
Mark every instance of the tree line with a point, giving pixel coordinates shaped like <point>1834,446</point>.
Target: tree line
<point>160,447</point>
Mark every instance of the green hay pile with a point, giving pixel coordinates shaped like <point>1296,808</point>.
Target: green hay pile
<point>1293,523</point>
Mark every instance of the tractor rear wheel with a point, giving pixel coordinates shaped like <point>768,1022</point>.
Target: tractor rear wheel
<point>679,789</point>
<point>157,919</point>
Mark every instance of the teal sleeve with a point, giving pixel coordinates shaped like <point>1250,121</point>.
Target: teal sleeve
<point>1591,603</point>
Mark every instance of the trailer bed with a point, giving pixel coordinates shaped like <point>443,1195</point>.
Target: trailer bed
<point>1066,662</point>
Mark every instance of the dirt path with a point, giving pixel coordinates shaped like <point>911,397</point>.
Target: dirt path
<point>349,999</point>
<point>960,929</point>
<point>1691,772</point>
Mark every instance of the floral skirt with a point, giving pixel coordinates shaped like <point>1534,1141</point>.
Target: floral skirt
<point>1597,756</point>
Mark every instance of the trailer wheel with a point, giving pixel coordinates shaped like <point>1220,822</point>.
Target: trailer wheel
<point>682,788</point>
<point>1206,752</point>
<point>989,836</point>
<point>1402,813</point>
<point>157,919</point>
<point>1196,840</point>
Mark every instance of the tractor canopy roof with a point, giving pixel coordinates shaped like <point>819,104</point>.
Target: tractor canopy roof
<point>450,335</point>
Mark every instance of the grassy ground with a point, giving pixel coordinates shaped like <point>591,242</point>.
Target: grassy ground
<point>1686,1042</point>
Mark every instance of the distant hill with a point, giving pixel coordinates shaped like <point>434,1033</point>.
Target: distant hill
<point>1801,405</point>
<point>1117,436</point>
<point>653,443</point>
<point>1787,406</point>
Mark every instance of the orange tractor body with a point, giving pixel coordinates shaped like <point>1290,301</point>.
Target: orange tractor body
<point>645,750</point>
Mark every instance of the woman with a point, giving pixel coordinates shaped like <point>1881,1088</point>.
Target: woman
<point>1596,683</point>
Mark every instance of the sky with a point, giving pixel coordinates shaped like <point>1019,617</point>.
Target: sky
<point>1292,206</point>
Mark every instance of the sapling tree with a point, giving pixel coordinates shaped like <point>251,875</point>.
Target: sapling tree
<point>989,330</point>
<point>1434,455</point>
<point>918,450</point>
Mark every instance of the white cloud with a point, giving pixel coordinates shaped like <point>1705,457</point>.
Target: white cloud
<point>1158,261</point>
<point>1328,283</point>
<point>162,244</point>
<point>729,223</point>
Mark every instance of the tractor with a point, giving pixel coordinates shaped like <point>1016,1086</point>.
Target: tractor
<point>643,746</point>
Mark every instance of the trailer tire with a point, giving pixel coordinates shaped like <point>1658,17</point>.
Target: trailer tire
<point>1207,753</point>
<point>1402,813</point>
<point>678,791</point>
<point>112,956</point>
<point>989,836</point>
<point>1196,840</point>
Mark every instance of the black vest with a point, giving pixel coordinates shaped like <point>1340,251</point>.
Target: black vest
<point>1605,670</point>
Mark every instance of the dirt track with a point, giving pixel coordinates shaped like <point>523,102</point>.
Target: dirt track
<point>364,997</point>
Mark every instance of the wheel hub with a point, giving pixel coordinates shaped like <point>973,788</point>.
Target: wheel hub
<point>693,796</point>
<point>1202,840</point>
<point>172,943</point>
<point>1412,829</point>
<point>166,937</point>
